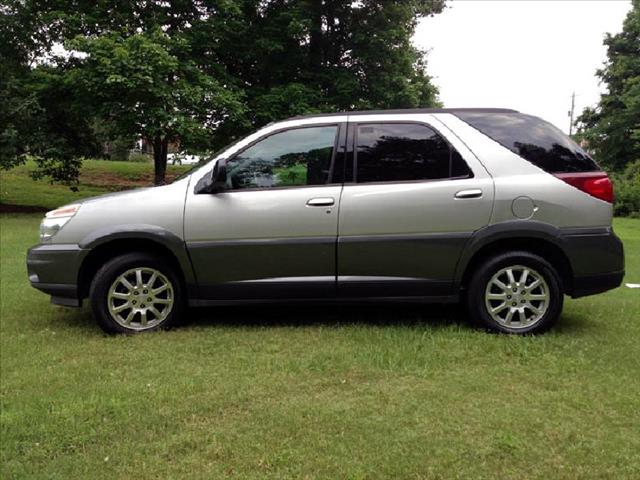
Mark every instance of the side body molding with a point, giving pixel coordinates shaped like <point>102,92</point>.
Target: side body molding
<point>143,231</point>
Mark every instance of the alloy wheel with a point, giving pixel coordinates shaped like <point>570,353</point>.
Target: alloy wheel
<point>517,297</point>
<point>140,298</point>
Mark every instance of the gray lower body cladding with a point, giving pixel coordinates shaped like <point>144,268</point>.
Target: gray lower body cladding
<point>374,266</point>
<point>597,260</point>
<point>418,267</point>
<point>53,269</point>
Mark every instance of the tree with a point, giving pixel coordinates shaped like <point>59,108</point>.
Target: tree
<point>39,113</point>
<point>612,129</point>
<point>143,84</point>
<point>207,71</point>
<point>132,71</point>
<point>311,56</point>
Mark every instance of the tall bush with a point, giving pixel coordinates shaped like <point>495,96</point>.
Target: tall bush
<point>627,191</point>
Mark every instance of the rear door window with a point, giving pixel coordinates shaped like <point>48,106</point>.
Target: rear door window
<point>533,139</point>
<point>395,152</point>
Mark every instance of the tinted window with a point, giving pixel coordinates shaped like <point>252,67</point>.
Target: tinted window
<point>533,139</point>
<point>300,156</point>
<point>404,151</point>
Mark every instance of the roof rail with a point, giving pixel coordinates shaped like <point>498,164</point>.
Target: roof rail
<point>406,110</point>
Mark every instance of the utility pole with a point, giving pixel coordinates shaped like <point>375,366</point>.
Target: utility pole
<point>573,104</point>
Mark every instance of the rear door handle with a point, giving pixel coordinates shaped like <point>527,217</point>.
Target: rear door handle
<point>473,193</point>
<point>320,202</point>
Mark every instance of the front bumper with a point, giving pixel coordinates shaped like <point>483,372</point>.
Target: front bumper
<point>597,260</point>
<point>53,269</point>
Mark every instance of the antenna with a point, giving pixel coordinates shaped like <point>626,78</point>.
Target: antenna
<point>573,104</point>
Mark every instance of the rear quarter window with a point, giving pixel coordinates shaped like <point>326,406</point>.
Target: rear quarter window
<point>533,139</point>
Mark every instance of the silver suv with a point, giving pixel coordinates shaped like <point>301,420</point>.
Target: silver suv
<point>491,207</point>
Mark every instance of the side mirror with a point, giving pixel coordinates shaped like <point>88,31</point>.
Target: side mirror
<point>219,176</point>
<point>216,182</point>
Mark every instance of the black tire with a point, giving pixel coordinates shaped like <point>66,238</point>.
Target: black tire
<point>478,311</point>
<point>111,270</point>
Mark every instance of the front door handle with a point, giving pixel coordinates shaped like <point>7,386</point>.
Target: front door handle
<point>473,193</point>
<point>320,202</point>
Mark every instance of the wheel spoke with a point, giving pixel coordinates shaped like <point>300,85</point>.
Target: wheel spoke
<point>497,296</point>
<point>123,296</point>
<point>521,314</point>
<point>535,284</point>
<point>523,277</point>
<point>120,308</point>
<point>139,277</point>
<point>143,318</point>
<point>535,310</point>
<point>160,289</point>
<point>509,316</point>
<point>152,280</point>
<point>126,283</point>
<point>500,285</point>
<point>155,311</point>
<point>163,300</point>
<point>537,296</point>
<point>499,308</point>
<point>130,316</point>
<point>510,276</point>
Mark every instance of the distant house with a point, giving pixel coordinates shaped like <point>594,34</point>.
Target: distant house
<point>143,145</point>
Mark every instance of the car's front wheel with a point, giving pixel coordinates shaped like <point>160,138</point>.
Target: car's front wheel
<point>136,292</point>
<point>515,292</point>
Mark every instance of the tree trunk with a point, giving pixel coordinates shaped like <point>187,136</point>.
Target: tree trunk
<point>160,147</point>
<point>315,35</point>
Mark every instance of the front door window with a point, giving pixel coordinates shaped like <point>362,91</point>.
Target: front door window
<point>296,157</point>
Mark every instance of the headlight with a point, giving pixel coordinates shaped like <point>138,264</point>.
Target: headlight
<point>56,219</point>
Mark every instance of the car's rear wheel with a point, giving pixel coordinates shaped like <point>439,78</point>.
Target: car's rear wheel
<point>136,292</point>
<point>515,292</point>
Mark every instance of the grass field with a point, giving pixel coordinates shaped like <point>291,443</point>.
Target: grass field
<point>293,392</point>
<point>96,177</point>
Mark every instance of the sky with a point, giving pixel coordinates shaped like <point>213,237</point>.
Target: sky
<point>526,55</point>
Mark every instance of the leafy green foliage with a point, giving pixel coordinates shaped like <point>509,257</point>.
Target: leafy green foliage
<point>309,56</point>
<point>42,118</point>
<point>627,191</point>
<point>146,84</point>
<point>39,111</point>
<point>202,72</point>
<point>612,129</point>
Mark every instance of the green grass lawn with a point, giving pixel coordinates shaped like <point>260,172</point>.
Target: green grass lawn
<point>295,392</point>
<point>96,177</point>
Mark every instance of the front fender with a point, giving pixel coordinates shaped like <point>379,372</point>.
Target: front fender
<point>141,231</point>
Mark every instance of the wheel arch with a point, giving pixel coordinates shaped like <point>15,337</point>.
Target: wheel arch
<point>105,245</point>
<point>534,237</point>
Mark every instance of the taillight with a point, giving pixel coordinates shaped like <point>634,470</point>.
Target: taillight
<point>596,184</point>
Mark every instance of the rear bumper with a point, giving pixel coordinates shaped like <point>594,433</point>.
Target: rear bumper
<point>583,286</point>
<point>53,269</point>
<point>597,261</point>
